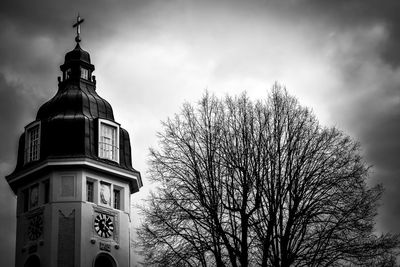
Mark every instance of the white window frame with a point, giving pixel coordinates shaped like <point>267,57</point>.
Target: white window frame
<point>121,197</point>
<point>92,193</point>
<point>28,142</point>
<point>84,73</point>
<point>104,151</point>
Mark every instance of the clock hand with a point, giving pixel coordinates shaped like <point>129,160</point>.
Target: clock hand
<point>103,225</point>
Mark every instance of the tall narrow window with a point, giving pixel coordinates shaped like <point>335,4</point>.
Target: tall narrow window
<point>84,73</point>
<point>89,191</point>
<point>68,74</point>
<point>25,195</point>
<point>33,143</point>
<point>117,199</point>
<point>46,186</point>
<point>108,141</point>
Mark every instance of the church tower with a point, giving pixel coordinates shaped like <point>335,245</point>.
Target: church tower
<point>74,177</point>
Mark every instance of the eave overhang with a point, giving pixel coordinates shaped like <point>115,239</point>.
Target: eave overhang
<point>133,177</point>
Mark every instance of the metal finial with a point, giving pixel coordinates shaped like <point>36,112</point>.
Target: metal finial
<point>77,25</point>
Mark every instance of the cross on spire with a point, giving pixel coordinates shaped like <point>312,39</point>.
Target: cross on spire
<point>77,25</point>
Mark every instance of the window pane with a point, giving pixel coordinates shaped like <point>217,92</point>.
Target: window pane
<point>68,73</point>
<point>84,73</point>
<point>108,147</point>
<point>25,195</point>
<point>46,191</point>
<point>89,191</point>
<point>117,199</point>
<point>32,152</point>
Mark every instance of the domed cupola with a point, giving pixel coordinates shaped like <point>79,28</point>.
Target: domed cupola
<point>76,122</point>
<point>78,54</point>
<point>76,94</point>
<point>77,65</point>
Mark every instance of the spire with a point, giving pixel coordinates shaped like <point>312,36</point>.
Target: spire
<point>77,25</point>
<point>77,66</point>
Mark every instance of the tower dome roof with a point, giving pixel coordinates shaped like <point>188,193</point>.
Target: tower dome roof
<point>76,96</point>
<point>70,120</point>
<point>78,54</point>
<point>76,127</point>
<point>76,101</point>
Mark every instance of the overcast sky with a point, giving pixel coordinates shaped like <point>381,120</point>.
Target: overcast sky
<point>340,58</point>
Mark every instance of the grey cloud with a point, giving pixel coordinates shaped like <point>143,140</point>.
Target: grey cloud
<point>379,134</point>
<point>346,14</point>
<point>371,109</point>
<point>8,223</point>
<point>55,18</point>
<point>23,22</point>
<point>15,108</point>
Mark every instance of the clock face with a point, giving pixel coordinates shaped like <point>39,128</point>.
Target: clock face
<point>103,225</point>
<point>35,227</point>
<point>105,194</point>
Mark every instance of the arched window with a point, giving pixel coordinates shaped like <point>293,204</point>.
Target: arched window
<point>104,260</point>
<point>32,261</point>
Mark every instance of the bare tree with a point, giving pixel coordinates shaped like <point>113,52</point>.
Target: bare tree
<point>248,184</point>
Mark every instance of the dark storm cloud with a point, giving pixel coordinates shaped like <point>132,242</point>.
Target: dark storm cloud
<point>347,14</point>
<point>373,116</point>
<point>17,106</point>
<point>16,109</point>
<point>344,15</point>
<point>35,35</point>
<point>378,129</point>
<point>55,18</point>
